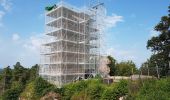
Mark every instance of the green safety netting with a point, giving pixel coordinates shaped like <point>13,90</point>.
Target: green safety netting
<point>49,8</point>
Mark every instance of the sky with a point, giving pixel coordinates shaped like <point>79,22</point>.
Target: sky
<point>130,23</point>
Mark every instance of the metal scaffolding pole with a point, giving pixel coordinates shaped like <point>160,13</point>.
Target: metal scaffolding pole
<point>71,49</point>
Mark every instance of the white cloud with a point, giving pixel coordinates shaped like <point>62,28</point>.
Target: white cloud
<point>25,50</point>
<point>111,21</point>
<point>15,37</point>
<point>6,4</point>
<point>33,43</point>
<point>153,33</point>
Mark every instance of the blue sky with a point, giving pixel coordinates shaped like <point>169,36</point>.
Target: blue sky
<point>131,25</point>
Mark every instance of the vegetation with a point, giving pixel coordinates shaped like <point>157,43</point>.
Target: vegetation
<point>160,46</point>
<point>25,84</point>
<point>94,89</point>
<point>154,90</point>
<point>112,65</point>
<point>124,68</point>
<point>13,81</point>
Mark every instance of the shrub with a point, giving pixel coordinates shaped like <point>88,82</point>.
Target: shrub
<point>80,96</point>
<point>95,91</point>
<point>115,91</point>
<point>40,86</point>
<point>12,94</point>
<point>155,90</point>
<point>29,92</point>
<point>110,94</point>
<point>72,88</point>
<point>122,88</point>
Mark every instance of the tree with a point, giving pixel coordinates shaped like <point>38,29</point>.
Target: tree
<point>7,77</point>
<point>40,85</point>
<point>12,94</point>
<point>20,73</point>
<point>126,68</point>
<point>160,44</point>
<point>95,91</point>
<point>33,72</point>
<point>150,66</point>
<point>6,80</point>
<point>112,65</point>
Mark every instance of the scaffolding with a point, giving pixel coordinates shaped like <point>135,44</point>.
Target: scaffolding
<point>71,49</point>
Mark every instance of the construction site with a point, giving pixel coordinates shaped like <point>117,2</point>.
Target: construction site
<point>71,48</point>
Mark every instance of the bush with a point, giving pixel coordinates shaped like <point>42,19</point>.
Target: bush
<point>29,92</point>
<point>155,90</point>
<point>95,91</point>
<point>12,94</point>
<point>40,86</point>
<point>110,94</point>
<point>80,96</point>
<point>115,91</point>
<point>122,88</point>
<point>73,88</point>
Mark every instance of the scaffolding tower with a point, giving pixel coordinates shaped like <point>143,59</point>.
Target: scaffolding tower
<point>71,49</point>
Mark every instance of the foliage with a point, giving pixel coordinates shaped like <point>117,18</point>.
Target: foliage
<point>95,91</point>
<point>155,90</point>
<point>29,92</point>
<point>133,88</point>
<point>33,72</point>
<point>7,77</point>
<point>125,68</point>
<point>80,96</point>
<point>112,65</point>
<point>40,86</point>
<point>12,94</point>
<point>78,89</point>
<point>115,91</point>
<point>73,88</point>
<point>160,45</point>
<point>20,73</point>
<point>13,81</point>
<point>110,94</point>
<point>98,76</point>
<point>33,88</point>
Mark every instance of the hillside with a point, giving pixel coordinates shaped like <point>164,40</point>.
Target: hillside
<point>25,84</point>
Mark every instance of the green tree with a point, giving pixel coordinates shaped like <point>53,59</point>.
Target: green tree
<point>7,77</point>
<point>95,91</point>
<point>20,73</point>
<point>126,68</point>
<point>160,44</point>
<point>112,65</point>
<point>33,72</point>
<point>12,94</point>
<point>40,86</point>
<point>149,67</point>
